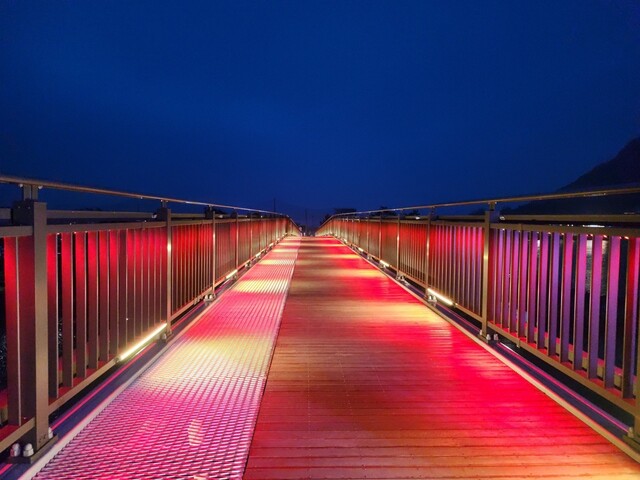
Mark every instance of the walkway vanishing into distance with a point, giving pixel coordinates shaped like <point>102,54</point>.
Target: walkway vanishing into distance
<point>364,382</point>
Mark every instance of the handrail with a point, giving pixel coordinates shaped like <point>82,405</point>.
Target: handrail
<point>494,201</point>
<point>118,193</point>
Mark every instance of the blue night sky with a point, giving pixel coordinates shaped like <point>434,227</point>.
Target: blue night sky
<point>318,104</point>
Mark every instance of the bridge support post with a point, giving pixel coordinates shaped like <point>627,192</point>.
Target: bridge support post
<point>210,214</point>
<point>31,320</point>
<point>398,272</point>
<point>633,389</point>
<point>236,243</point>
<point>380,237</point>
<point>426,255</point>
<point>491,215</point>
<point>164,214</point>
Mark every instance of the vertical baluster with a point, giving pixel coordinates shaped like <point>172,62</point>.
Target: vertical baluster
<point>114,291</point>
<point>478,260</point>
<point>579,316</point>
<point>499,276</point>
<point>13,320</point>
<point>139,323</point>
<point>543,290</point>
<point>103,295</point>
<point>92,300</point>
<point>131,285</point>
<point>81,304</point>
<point>522,284</point>
<point>554,292</point>
<point>612,311</point>
<point>167,264</point>
<point>459,283</point>
<point>565,298</point>
<point>52,312</point>
<point>67,309</point>
<point>515,282</point>
<point>630,318</point>
<point>532,308</point>
<point>594,306</point>
<point>506,289</point>
<point>123,289</point>
<point>144,280</point>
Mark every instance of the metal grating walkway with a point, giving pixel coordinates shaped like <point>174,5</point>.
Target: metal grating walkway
<point>193,412</point>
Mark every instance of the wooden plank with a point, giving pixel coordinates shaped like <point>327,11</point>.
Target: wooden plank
<point>366,382</point>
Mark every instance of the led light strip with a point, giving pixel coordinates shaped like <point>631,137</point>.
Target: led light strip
<point>441,297</point>
<point>138,346</point>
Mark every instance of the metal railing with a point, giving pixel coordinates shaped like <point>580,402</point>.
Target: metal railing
<point>565,288</point>
<point>81,288</point>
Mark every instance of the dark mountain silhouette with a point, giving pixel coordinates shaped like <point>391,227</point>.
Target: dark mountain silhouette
<point>621,171</point>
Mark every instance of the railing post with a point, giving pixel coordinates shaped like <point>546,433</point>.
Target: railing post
<point>33,316</point>
<point>215,248</point>
<point>164,214</point>
<point>210,214</point>
<point>368,232</point>
<point>427,253</point>
<point>236,252</point>
<point>489,215</point>
<point>398,246</point>
<point>380,238</point>
<point>250,239</point>
<point>630,354</point>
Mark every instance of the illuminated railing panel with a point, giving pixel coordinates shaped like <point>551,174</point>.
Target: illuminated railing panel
<point>80,292</point>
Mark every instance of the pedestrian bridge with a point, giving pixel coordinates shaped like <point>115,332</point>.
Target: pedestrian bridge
<point>389,346</point>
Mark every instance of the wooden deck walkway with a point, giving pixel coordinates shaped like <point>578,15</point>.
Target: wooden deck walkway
<point>366,382</point>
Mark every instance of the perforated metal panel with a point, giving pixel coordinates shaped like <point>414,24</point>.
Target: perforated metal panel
<point>192,413</point>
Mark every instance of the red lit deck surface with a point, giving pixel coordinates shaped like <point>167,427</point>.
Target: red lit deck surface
<point>192,413</point>
<point>366,382</point>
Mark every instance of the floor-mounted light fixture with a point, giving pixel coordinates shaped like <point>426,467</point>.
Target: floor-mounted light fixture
<point>232,274</point>
<point>442,298</point>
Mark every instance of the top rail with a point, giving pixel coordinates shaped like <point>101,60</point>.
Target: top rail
<point>21,181</point>
<point>513,199</point>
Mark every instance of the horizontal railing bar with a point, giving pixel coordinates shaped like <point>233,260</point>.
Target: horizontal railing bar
<point>188,215</point>
<point>192,221</point>
<point>97,227</point>
<point>91,214</point>
<point>493,201</point>
<point>577,229</point>
<point>631,218</point>
<point>470,218</point>
<point>450,222</point>
<point>118,193</point>
<point>17,231</point>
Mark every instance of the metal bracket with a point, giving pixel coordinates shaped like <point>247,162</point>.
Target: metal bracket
<point>632,439</point>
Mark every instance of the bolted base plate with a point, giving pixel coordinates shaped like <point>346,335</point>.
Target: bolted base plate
<point>36,456</point>
<point>633,442</point>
